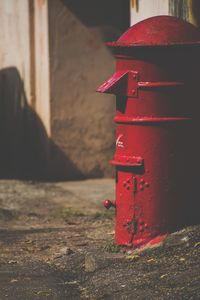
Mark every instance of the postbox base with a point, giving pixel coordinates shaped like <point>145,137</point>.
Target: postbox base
<point>145,243</point>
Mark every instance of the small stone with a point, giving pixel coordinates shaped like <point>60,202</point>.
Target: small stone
<point>66,251</point>
<point>90,263</point>
<point>44,247</point>
<point>185,239</point>
<point>151,260</point>
<point>163,276</point>
<point>197,244</point>
<point>12,262</point>
<point>182,259</point>
<point>63,251</point>
<point>13,280</point>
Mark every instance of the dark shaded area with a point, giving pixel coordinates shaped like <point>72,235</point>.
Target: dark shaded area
<point>26,151</point>
<point>121,102</point>
<point>195,11</point>
<point>35,281</point>
<point>12,236</point>
<point>114,14</point>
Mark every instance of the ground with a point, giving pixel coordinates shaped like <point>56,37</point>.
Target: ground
<point>57,242</point>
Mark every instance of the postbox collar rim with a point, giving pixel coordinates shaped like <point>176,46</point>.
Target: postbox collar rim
<point>117,44</point>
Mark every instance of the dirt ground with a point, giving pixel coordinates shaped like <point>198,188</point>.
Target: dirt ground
<point>56,242</point>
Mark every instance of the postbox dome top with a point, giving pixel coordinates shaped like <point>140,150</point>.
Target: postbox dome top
<point>159,31</point>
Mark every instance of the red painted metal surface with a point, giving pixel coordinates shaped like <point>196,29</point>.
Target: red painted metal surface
<point>156,119</point>
<point>159,31</point>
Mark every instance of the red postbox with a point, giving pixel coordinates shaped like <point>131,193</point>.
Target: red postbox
<point>156,84</point>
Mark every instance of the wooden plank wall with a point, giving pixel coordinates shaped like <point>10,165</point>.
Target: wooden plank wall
<point>41,58</point>
<point>14,39</point>
<point>142,9</point>
<point>188,10</point>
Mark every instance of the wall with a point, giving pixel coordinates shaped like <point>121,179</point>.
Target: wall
<point>53,124</point>
<point>82,120</point>
<point>41,61</point>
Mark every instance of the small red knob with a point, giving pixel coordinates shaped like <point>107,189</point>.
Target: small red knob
<point>108,204</point>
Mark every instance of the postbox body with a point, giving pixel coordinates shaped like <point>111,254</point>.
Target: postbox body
<point>156,158</point>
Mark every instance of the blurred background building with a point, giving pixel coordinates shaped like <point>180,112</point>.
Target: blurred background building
<point>53,125</point>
